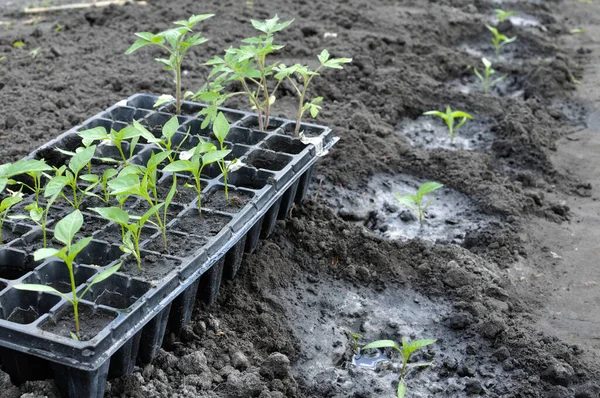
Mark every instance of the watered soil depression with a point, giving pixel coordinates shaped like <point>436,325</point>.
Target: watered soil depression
<point>477,276</point>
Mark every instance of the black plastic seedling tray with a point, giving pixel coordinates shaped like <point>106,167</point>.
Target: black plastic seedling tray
<point>139,306</point>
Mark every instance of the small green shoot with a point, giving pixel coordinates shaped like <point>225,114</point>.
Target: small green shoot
<point>35,52</point>
<point>415,201</point>
<point>306,75</point>
<point>487,73</point>
<point>131,232</point>
<point>176,43</point>
<point>354,338</point>
<point>5,206</point>
<point>65,231</point>
<point>406,349</point>
<point>577,31</point>
<point>499,40</point>
<point>449,117</point>
<point>220,130</point>
<point>18,44</point>
<point>77,163</point>
<point>194,161</point>
<point>503,15</point>
<point>116,138</point>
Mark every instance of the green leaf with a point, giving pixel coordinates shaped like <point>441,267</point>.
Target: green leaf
<point>124,184</point>
<point>78,247</point>
<point>37,288</point>
<point>194,19</point>
<point>337,63</point>
<point>179,165</point>
<point>324,56</point>
<point>170,127</point>
<point>382,344</point>
<point>152,211</point>
<point>401,389</point>
<point>104,274</point>
<point>409,348</point>
<point>221,127</point>
<point>3,183</point>
<point>143,131</point>
<point>408,200</point>
<point>457,114</point>
<point>67,227</point>
<point>427,187</point>
<point>91,178</point>
<point>214,156</point>
<point>434,113</point>
<point>156,159</point>
<point>9,202</point>
<point>91,135</point>
<point>148,36</point>
<point>137,45</point>
<point>164,99</point>
<point>55,186</point>
<point>44,253</point>
<point>27,166</point>
<point>114,214</point>
<point>81,159</point>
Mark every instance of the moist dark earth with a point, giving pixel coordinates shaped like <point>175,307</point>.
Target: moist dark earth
<point>281,328</point>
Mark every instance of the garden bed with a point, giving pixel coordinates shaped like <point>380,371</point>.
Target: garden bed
<point>483,296</point>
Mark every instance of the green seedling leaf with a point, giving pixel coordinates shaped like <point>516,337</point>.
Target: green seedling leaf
<point>382,344</point>
<point>37,288</point>
<point>221,127</point>
<point>401,389</point>
<point>44,253</point>
<point>91,178</point>
<point>428,187</point>
<point>66,228</point>
<point>55,186</point>
<point>409,348</point>
<point>214,156</point>
<point>170,127</point>
<point>152,211</point>
<point>164,99</point>
<point>114,214</point>
<point>81,159</point>
<point>95,134</point>
<point>78,247</point>
<point>179,165</point>
<point>18,44</point>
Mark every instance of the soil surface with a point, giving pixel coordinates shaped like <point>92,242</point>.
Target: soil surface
<point>509,286</point>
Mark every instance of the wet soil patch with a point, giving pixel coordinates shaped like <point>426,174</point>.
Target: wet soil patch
<point>215,200</point>
<point>91,322</point>
<point>154,267</point>
<point>112,234</point>
<point>427,132</point>
<point>180,245</point>
<point>206,226</point>
<point>449,217</point>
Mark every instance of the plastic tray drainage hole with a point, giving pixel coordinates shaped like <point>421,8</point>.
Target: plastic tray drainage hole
<point>369,359</point>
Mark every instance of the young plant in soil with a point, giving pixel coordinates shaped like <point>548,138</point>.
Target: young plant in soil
<point>77,163</point>
<point>415,201</point>
<point>168,131</point>
<point>306,75</point>
<point>106,177</point>
<point>32,168</point>
<point>503,15</point>
<point>248,66</point>
<point>194,161</point>
<point>131,232</point>
<point>487,73</point>
<point>499,40</point>
<point>65,232</point>
<point>38,214</point>
<point>406,349</point>
<point>116,138</point>
<point>128,183</point>
<point>176,43</point>
<point>5,206</point>
<point>449,117</point>
<point>220,130</point>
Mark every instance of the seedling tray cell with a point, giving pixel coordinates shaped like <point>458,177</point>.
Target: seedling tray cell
<point>138,306</point>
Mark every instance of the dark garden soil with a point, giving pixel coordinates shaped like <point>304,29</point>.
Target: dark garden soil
<point>504,273</point>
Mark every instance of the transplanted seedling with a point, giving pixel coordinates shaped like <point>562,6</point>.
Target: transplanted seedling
<point>406,349</point>
<point>487,73</point>
<point>194,161</point>
<point>65,231</point>
<point>415,201</point>
<point>31,167</point>
<point>248,66</point>
<point>499,40</point>
<point>176,43</point>
<point>71,175</point>
<point>306,75</point>
<point>449,117</point>
<point>5,206</point>
<point>503,15</point>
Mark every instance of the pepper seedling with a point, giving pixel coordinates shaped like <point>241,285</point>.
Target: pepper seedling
<point>31,167</point>
<point>406,350</point>
<point>499,40</point>
<point>131,232</point>
<point>221,128</point>
<point>485,77</point>
<point>176,43</point>
<point>38,214</point>
<point>5,206</point>
<point>503,15</point>
<point>306,75</point>
<point>168,131</point>
<point>116,138</point>
<point>246,65</point>
<point>449,117</point>
<point>77,163</point>
<point>65,231</point>
<point>194,161</point>
<point>415,201</point>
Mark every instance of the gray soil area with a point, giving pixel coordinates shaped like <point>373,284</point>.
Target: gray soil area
<point>503,273</point>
